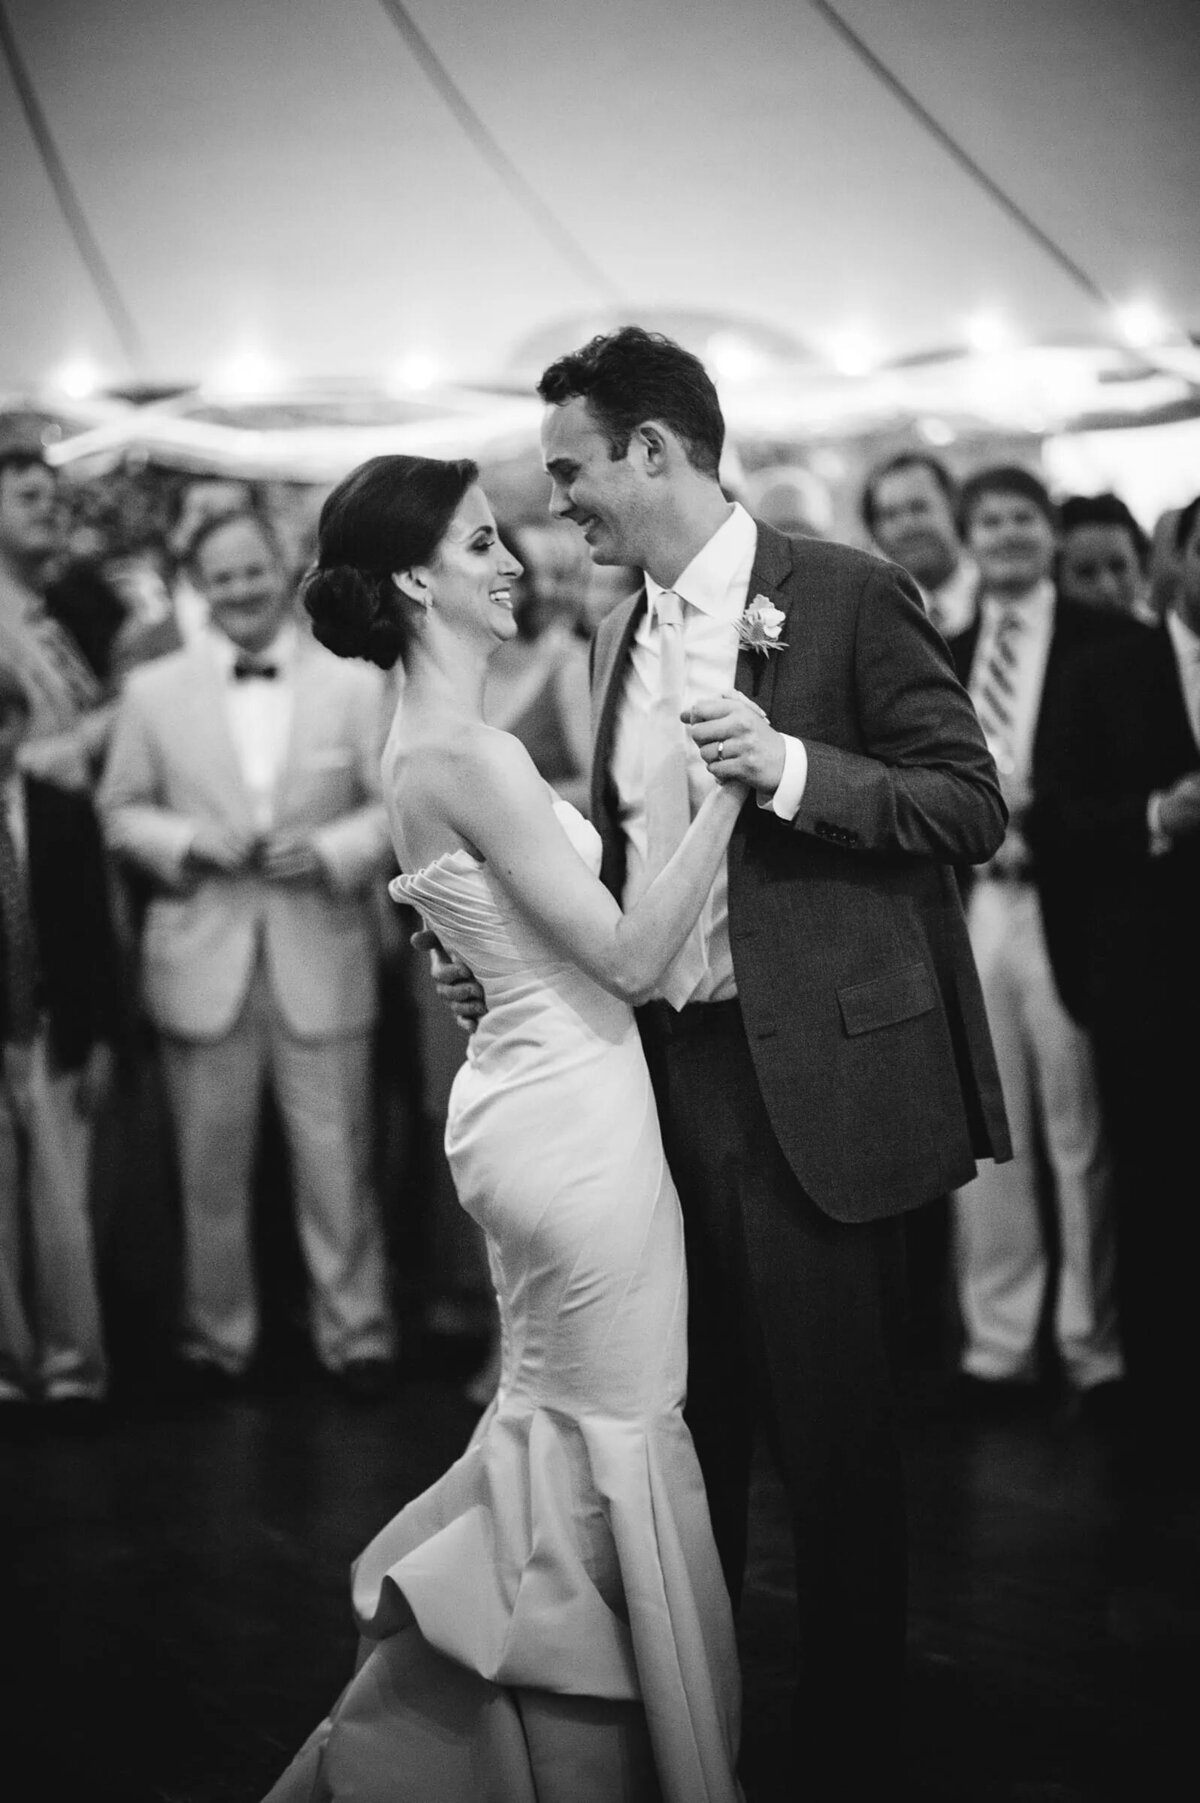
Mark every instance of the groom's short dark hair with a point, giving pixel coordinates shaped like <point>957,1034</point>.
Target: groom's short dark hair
<point>631,375</point>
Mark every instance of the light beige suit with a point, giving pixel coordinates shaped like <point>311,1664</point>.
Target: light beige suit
<point>247,979</point>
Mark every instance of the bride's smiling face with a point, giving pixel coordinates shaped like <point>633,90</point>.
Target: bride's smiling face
<point>470,579</point>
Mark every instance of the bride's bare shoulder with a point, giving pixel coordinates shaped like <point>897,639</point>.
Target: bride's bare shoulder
<point>441,785</point>
<point>464,751</point>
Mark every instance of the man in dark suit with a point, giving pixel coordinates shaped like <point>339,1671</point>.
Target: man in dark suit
<point>1023,916</point>
<point>1121,792</point>
<point>59,1010</point>
<point>823,1062</point>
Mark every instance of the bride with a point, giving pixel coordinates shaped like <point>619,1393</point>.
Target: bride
<point>548,1623</point>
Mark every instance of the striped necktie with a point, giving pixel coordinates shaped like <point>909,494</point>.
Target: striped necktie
<point>668,803</point>
<point>18,948</point>
<point>995,689</point>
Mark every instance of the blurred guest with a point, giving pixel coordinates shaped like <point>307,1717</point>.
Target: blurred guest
<point>1103,556</point>
<point>244,780</point>
<point>65,692</point>
<point>1019,915</point>
<point>79,593</point>
<point>1123,791</point>
<point>1165,564</point>
<point>59,1008</point>
<point>909,508</point>
<point>538,683</point>
<point>173,612</point>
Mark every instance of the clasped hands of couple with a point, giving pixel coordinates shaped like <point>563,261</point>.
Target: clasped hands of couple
<point>739,745</point>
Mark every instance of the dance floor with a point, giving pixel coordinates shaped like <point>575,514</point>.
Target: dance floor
<point>174,1617</point>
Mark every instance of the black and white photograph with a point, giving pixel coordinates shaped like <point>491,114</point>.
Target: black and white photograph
<point>599,901</point>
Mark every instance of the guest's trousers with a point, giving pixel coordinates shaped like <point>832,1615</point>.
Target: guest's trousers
<point>51,1340</point>
<point>1047,1072</point>
<point>323,1091</point>
<point>795,1327</point>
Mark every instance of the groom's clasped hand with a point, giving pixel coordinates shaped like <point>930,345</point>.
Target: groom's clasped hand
<point>736,740</point>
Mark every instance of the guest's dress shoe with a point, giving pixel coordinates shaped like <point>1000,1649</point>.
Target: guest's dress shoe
<point>366,1379</point>
<point>74,1410</point>
<point>200,1380</point>
<point>15,1412</point>
<point>1104,1405</point>
<point>993,1399</point>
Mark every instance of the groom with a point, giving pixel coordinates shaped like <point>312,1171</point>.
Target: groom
<point>823,1063</point>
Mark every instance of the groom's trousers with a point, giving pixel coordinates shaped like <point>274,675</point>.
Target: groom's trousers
<point>795,1330</point>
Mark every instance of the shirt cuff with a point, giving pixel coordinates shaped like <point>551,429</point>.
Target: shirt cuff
<point>787,798</point>
<point>1160,841</point>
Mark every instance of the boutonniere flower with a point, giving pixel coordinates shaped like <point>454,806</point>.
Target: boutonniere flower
<point>760,626</point>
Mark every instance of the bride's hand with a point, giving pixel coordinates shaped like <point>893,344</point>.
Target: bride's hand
<point>737,741</point>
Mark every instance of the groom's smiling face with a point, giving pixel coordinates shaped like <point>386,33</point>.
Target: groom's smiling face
<point>605,496</point>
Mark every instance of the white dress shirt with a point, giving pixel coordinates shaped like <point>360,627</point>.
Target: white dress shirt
<point>260,717</point>
<point>12,801</point>
<point>713,589</point>
<point>951,606</point>
<point>1186,645</point>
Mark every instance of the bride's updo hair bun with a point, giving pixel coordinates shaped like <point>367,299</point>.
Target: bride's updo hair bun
<point>389,514</point>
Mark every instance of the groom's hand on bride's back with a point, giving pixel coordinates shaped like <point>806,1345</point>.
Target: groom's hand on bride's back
<point>454,981</point>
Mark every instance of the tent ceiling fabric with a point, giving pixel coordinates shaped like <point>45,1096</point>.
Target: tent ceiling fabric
<point>282,175</point>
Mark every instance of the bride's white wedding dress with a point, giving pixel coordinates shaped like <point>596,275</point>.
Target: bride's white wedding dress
<point>568,1551</point>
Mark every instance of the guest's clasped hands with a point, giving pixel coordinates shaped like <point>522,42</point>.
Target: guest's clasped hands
<point>1179,810</point>
<point>282,857</point>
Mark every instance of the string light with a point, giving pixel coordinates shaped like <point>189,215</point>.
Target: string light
<point>732,358</point>
<point>78,379</point>
<point>988,332</point>
<point>246,371</point>
<point>855,352</point>
<point>1141,324</point>
<point>413,373</point>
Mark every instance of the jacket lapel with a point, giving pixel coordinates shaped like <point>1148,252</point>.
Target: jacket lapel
<point>610,660</point>
<point>769,581</point>
<point>204,719</point>
<point>309,701</point>
<point>608,674</point>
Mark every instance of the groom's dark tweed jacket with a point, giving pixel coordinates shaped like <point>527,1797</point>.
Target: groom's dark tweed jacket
<point>857,985</point>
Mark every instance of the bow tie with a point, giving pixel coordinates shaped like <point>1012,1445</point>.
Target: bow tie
<point>246,667</point>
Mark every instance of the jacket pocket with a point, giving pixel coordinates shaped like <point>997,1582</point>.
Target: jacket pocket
<point>900,995</point>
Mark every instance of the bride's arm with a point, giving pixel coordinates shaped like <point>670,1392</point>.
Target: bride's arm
<point>496,800</point>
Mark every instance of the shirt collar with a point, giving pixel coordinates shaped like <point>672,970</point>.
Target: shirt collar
<point>715,581</point>
<point>281,650</point>
<point>954,598</point>
<point>1185,641</point>
<point>1036,604</point>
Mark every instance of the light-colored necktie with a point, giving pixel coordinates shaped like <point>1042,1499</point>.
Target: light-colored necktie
<point>668,803</point>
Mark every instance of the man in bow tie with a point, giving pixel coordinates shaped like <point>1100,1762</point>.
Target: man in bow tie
<point>243,781</point>
<point>820,1054</point>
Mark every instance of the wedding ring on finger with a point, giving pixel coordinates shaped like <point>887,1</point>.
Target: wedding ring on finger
<point>720,751</point>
